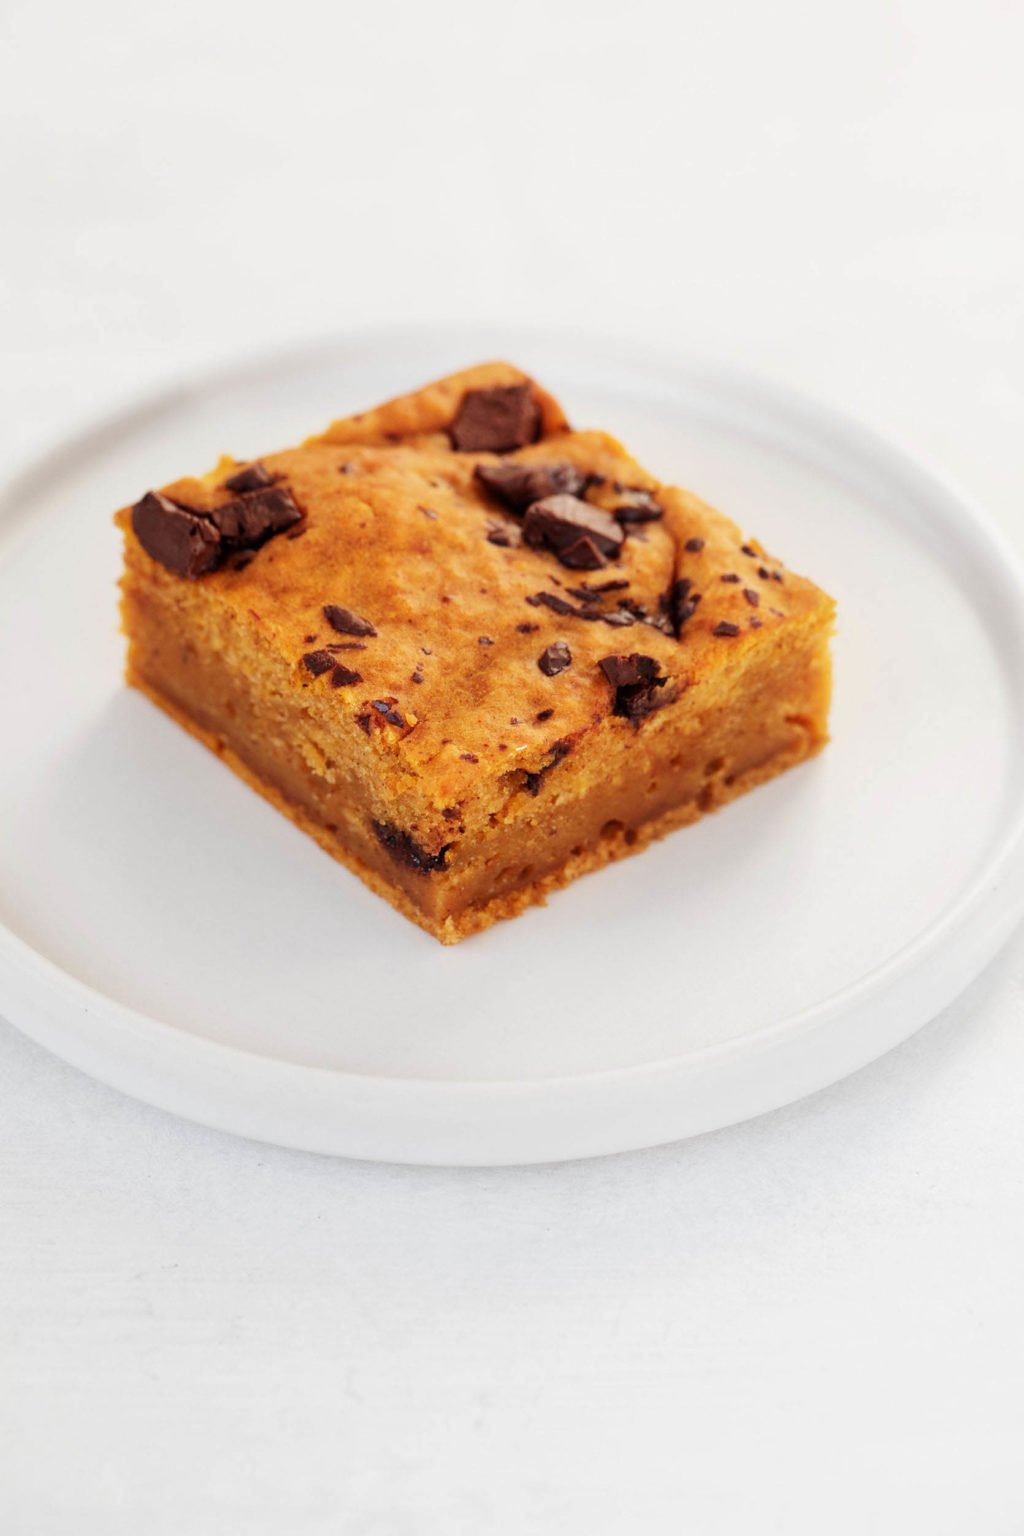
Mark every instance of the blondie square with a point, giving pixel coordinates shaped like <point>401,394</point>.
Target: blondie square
<point>472,651</point>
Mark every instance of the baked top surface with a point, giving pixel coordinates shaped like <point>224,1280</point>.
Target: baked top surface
<point>398,530</point>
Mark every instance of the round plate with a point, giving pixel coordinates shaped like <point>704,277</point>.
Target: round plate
<point>170,933</point>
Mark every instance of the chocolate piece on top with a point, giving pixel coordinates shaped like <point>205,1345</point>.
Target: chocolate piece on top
<point>496,420</point>
<point>255,477</point>
<point>725,629</point>
<point>581,536</point>
<point>639,689</point>
<point>183,541</point>
<point>318,662</point>
<point>343,677</point>
<point>638,506</point>
<point>555,659</point>
<point>346,622</point>
<point>517,485</point>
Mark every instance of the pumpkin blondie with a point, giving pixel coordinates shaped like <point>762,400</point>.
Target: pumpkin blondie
<point>472,651</point>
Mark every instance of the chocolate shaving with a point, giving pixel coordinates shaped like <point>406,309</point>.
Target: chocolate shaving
<point>581,536</point>
<point>256,477</point>
<point>518,485</point>
<point>404,848</point>
<point>555,659</point>
<point>496,420</point>
<point>639,687</point>
<point>346,622</point>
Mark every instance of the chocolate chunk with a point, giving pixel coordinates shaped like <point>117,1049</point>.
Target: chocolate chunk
<point>344,677</point>
<point>640,507</point>
<point>518,485</point>
<point>469,757</point>
<point>249,520</point>
<point>694,546</point>
<point>730,576</point>
<point>484,640</point>
<point>496,420</point>
<point>748,549</point>
<point>496,534</point>
<point>346,622</point>
<point>582,537</point>
<point>755,623</point>
<point>752,597</point>
<point>533,781</point>
<point>527,629</point>
<point>555,659</point>
<point>545,714</point>
<point>725,628</point>
<point>348,645</point>
<point>318,662</point>
<point>590,590</point>
<point>682,603</point>
<point>386,708</point>
<point>184,542</point>
<point>560,606</point>
<point>404,848</point>
<point>417,676</point>
<point>254,478</point>
<point>639,687</point>
<point>764,573</point>
<point>621,618</point>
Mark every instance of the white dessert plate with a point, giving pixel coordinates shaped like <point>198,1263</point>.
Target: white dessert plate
<point>168,932</point>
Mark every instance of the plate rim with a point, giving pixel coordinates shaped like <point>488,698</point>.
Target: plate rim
<point>996,890</point>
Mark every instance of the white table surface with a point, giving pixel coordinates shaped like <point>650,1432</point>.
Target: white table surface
<point>810,1323</point>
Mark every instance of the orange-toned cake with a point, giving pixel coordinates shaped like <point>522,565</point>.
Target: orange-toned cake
<point>473,652</point>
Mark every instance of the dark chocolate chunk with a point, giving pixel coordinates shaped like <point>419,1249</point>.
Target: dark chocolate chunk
<point>730,576</point>
<point>343,677</point>
<point>639,687</point>
<point>527,629</point>
<point>764,573</point>
<point>496,534</point>
<point>469,757</point>
<point>639,507</point>
<point>755,622</point>
<point>555,659</point>
<point>725,628</point>
<point>184,542</point>
<point>318,662</point>
<point>533,781</point>
<point>346,622</point>
<point>256,477</point>
<point>363,722</point>
<point>386,708</point>
<point>249,520</point>
<point>621,618</point>
<point>545,714</point>
<point>748,549</point>
<point>694,546</point>
<point>348,645</point>
<point>404,848</point>
<point>417,676</point>
<point>589,590</point>
<point>752,597</point>
<point>582,537</point>
<point>518,485</point>
<point>496,420</point>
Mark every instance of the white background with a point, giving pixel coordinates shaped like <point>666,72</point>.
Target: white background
<point>810,1323</point>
